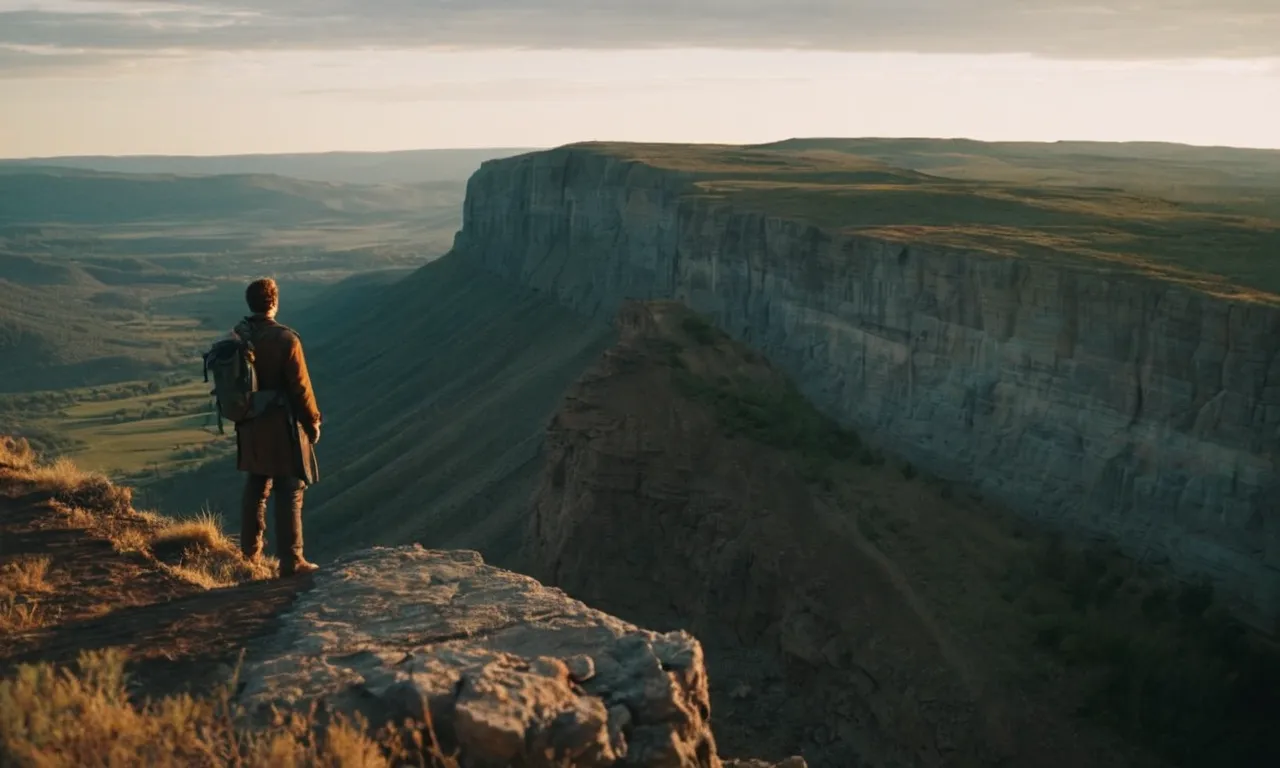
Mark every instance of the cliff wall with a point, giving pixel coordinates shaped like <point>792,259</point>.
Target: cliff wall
<point>1132,409</point>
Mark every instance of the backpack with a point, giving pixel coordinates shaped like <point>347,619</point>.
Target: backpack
<point>230,361</point>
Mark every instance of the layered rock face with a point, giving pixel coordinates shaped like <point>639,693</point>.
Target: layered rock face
<point>513,673</point>
<point>1135,410</point>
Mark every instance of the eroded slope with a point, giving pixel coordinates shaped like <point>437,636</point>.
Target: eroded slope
<point>854,609</point>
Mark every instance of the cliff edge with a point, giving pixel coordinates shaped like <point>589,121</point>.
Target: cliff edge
<point>510,672</point>
<point>188,655</point>
<point>1061,351</point>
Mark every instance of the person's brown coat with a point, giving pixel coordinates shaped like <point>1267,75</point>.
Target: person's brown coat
<point>270,444</point>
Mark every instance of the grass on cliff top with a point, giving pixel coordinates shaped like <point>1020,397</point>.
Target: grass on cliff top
<point>57,717</point>
<point>1201,241</point>
<point>1159,660</point>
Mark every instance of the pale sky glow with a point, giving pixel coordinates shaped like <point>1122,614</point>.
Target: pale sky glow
<point>213,77</point>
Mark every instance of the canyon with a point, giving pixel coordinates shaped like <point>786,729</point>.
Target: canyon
<point>872,436</point>
<point>1120,400</point>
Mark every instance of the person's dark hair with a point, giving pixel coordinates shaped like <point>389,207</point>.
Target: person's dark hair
<point>262,295</point>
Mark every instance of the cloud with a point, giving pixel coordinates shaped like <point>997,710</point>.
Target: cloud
<point>1110,29</point>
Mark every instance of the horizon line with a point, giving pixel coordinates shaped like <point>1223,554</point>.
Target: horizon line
<point>496,148</point>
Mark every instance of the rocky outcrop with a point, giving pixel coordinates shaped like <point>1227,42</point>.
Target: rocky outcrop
<point>1133,409</point>
<point>511,672</point>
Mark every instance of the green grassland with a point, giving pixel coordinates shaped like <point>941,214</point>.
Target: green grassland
<point>131,430</point>
<point>1209,218</point>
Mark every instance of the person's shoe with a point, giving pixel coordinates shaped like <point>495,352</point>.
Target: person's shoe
<point>299,569</point>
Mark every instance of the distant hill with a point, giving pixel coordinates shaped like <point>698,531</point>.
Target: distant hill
<point>40,194</point>
<point>1217,178</point>
<point>401,167</point>
<point>34,270</point>
<point>51,339</point>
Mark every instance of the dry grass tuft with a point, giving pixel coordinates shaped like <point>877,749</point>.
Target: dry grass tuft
<point>56,718</point>
<point>16,454</point>
<point>179,536</point>
<point>51,717</point>
<point>21,581</point>
<point>130,540</point>
<point>95,492</point>
<point>19,615</point>
<point>25,574</point>
<point>78,517</point>
<point>72,486</point>
<point>198,551</point>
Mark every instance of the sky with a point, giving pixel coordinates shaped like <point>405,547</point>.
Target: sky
<point>235,76</point>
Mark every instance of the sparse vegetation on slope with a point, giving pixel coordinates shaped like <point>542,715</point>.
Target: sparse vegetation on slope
<point>194,550</point>
<point>56,717</point>
<point>61,717</point>
<point>757,407</point>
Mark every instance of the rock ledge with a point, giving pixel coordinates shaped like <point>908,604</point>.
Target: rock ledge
<point>514,673</point>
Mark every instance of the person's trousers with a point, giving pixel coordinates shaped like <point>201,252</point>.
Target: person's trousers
<point>288,513</point>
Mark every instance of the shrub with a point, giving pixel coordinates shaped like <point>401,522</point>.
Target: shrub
<point>198,551</point>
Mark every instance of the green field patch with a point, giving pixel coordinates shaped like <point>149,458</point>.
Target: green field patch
<point>157,430</point>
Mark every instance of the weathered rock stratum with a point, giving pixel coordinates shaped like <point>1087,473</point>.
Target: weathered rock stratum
<point>512,672</point>
<point>1134,409</point>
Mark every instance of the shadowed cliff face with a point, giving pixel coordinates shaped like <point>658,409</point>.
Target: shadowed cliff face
<point>850,612</point>
<point>1129,408</point>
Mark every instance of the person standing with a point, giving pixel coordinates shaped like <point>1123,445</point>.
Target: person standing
<point>276,447</point>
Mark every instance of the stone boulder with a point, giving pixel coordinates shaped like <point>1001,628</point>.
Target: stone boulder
<point>510,671</point>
